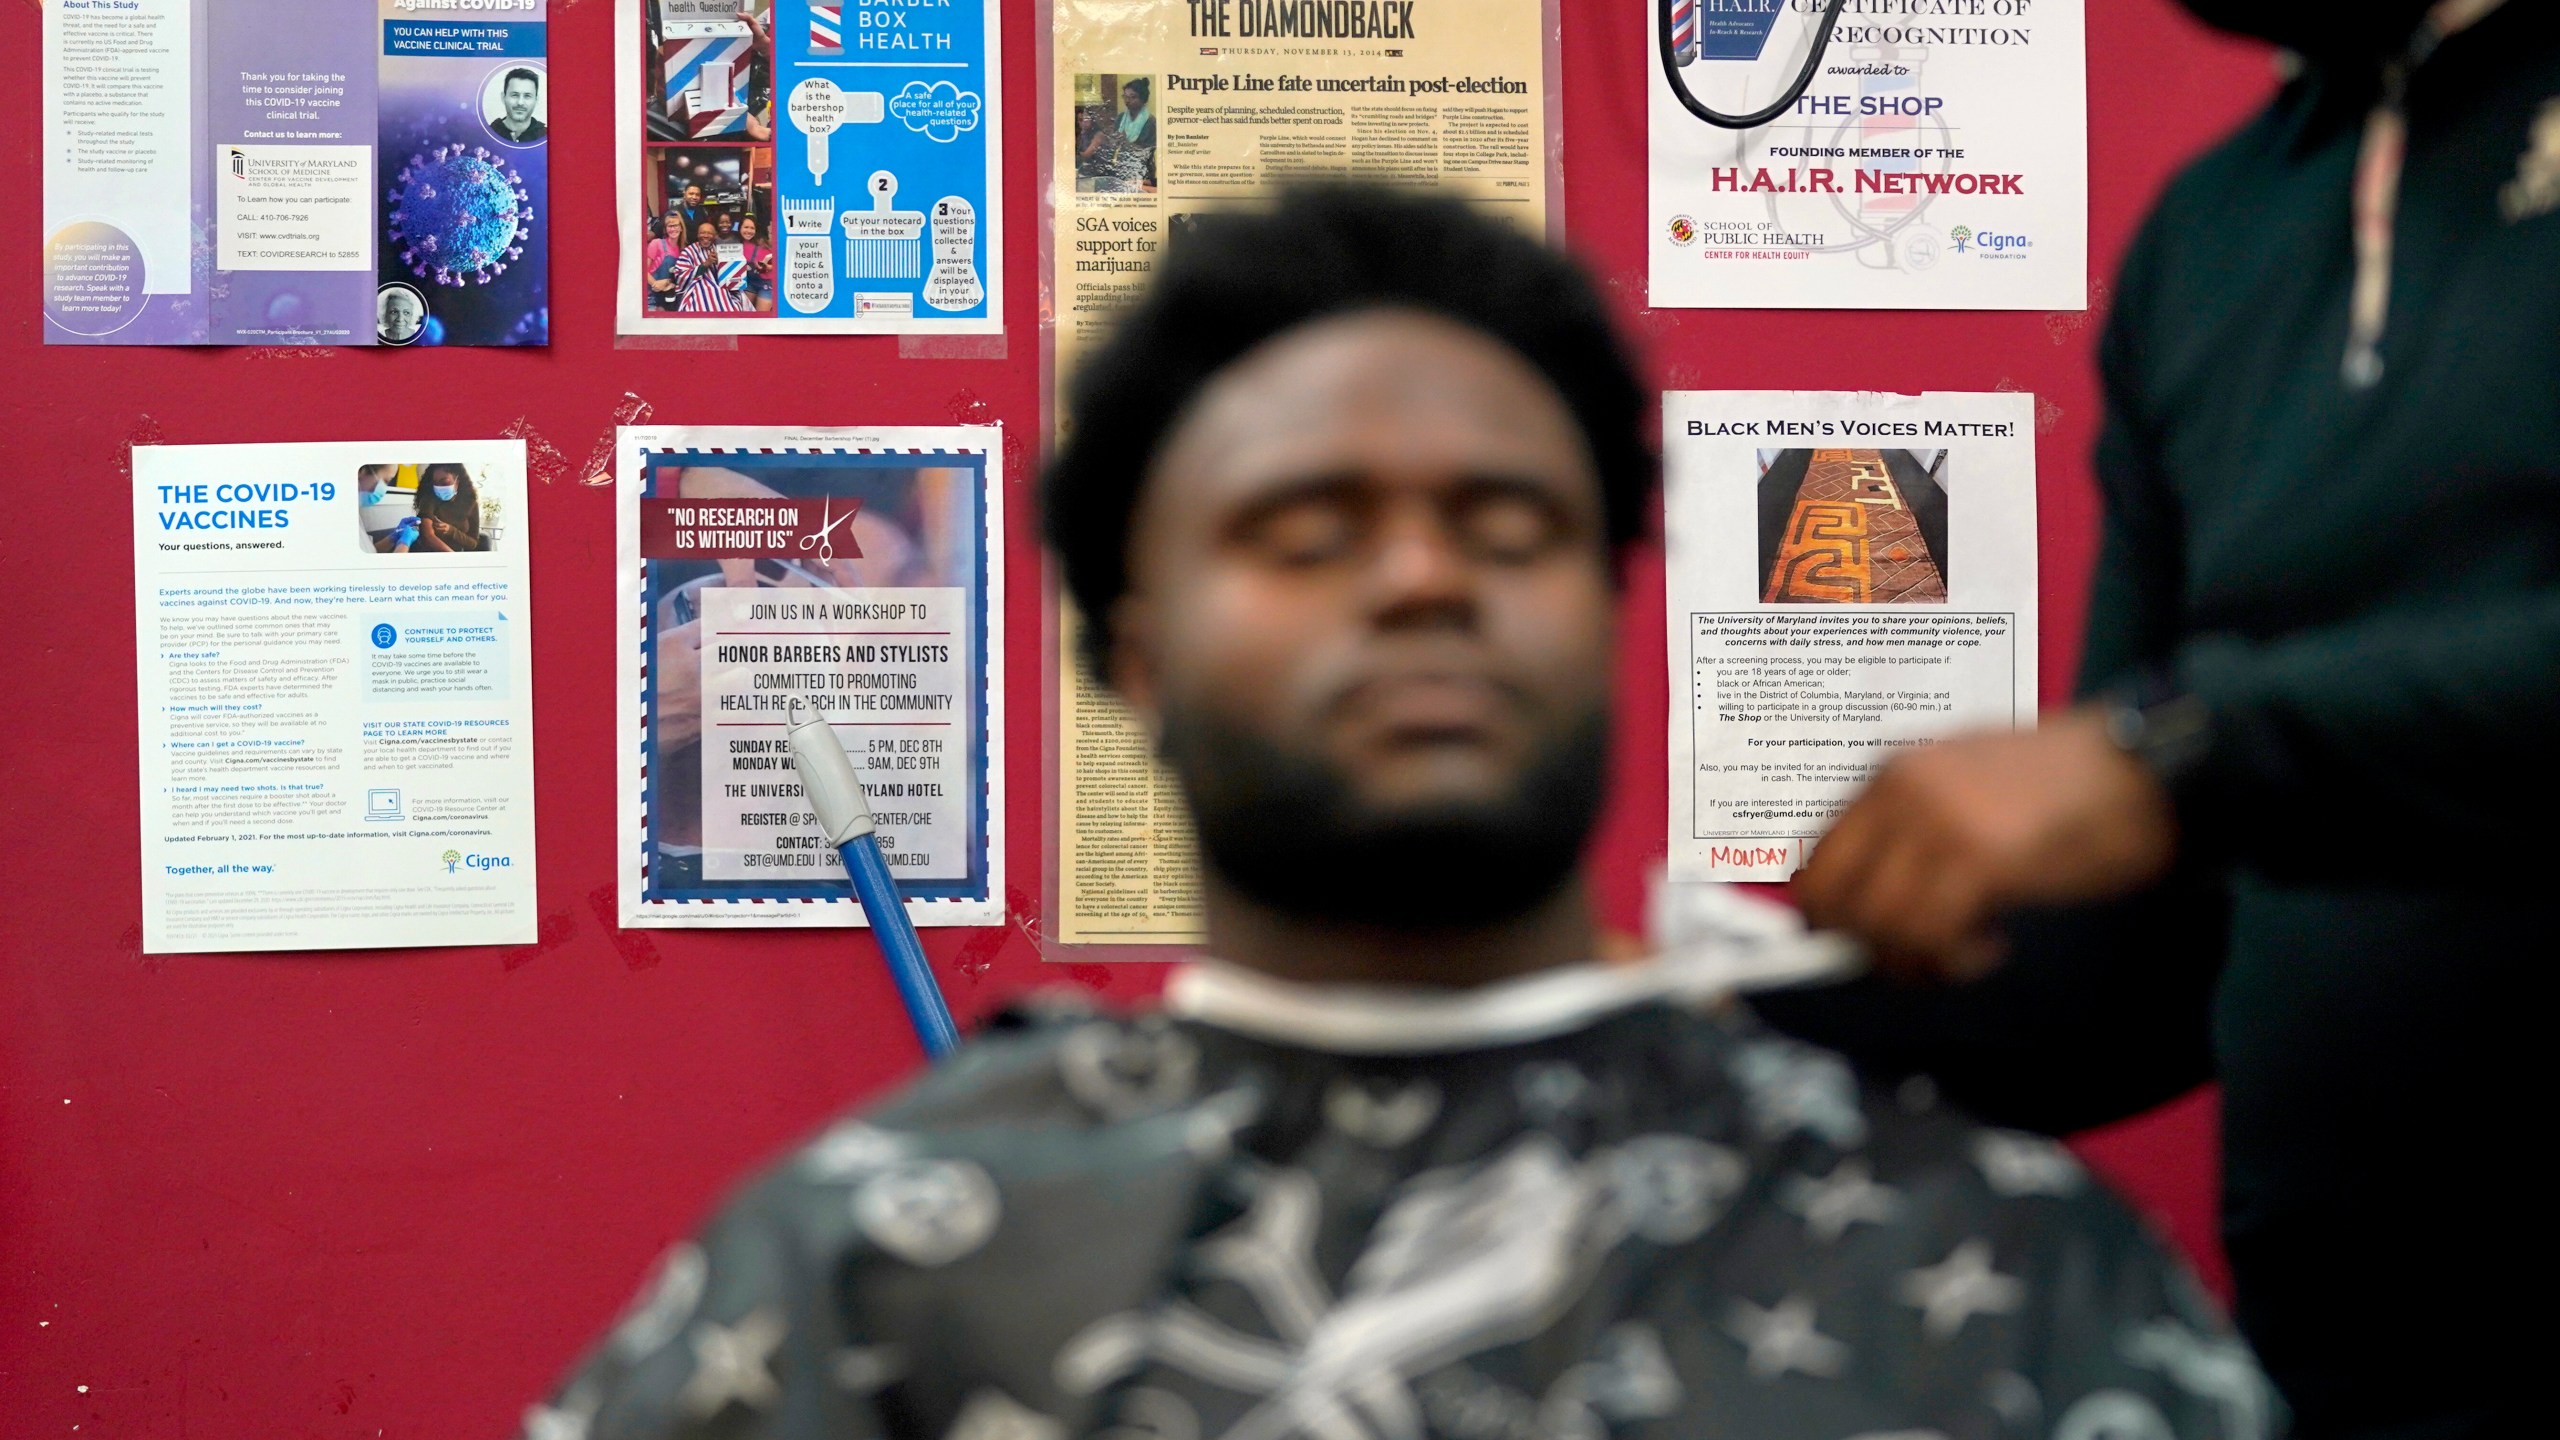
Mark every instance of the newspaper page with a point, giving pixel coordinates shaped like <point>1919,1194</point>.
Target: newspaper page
<point>1847,574</point>
<point>333,650</point>
<point>1162,109</point>
<point>850,570</point>
<point>1939,158</point>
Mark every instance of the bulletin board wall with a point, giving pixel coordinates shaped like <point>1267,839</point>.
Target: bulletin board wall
<point>392,1193</point>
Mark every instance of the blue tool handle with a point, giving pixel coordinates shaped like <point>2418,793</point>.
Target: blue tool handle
<point>898,945</point>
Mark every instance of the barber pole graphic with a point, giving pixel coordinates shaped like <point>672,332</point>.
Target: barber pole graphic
<point>725,120</point>
<point>1684,30</point>
<point>706,80</point>
<point>826,30</point>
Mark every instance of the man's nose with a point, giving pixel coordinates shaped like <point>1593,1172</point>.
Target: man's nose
<point>1422,575</point>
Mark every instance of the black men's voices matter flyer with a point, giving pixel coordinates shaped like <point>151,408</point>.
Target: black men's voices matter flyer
<point>277,172</point>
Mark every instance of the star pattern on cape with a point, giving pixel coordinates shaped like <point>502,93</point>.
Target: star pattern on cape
<point>1789,1087</point>
<point>1782,1338</point>
<point>2017,1165</point>
<point>544,1422</point>
<point>1960,1287</point>
<point>1849,1195</point>
<point>734,1363</point>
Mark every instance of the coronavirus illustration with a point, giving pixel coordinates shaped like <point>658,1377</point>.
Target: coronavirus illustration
<point>460,215</point>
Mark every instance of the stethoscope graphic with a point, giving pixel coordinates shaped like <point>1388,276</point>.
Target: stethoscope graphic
<point>1676,34</point>
<point>824,541</point>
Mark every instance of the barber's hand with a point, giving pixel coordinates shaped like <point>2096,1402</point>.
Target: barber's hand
<point>1950,836</point>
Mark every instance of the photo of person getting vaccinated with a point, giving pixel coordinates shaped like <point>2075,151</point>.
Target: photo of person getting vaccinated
<point>909,527</point>
<point>423,510</point>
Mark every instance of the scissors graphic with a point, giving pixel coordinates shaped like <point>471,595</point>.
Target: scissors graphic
<point>824,540</point>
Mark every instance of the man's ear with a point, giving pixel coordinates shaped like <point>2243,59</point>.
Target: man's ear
<point>1131,665</point>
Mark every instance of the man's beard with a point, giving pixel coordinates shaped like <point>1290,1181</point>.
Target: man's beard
<point>1283,827</point>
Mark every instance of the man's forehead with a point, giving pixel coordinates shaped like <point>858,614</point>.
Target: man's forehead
<point>1395,389</point>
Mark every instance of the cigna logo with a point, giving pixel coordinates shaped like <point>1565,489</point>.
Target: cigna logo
<point>455,862</point>
<point>1990,244</point>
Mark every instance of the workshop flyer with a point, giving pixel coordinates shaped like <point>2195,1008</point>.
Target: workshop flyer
<point>1848,573</point>
<point>335,684</point>
<point>1938,160</point>
<point>272,172</point>
<point>810,167</point>
<point>849,570</point>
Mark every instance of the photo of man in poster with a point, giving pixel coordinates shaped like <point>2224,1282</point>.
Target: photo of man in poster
<point>518,120</point>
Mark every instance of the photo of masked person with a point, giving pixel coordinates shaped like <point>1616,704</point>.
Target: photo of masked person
<point>445,517</point>
<point>382,504</point>
<point>912,527</point>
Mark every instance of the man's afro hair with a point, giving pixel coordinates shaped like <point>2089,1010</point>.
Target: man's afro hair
<point>1228,281</point>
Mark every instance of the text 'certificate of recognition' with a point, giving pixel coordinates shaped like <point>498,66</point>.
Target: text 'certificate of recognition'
<point>1936,161</point>
<point>336,691</point>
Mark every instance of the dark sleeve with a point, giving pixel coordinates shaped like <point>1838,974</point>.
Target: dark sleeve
<point>2394,726</point>
<point>2322,738</point>
<point>2135,593</point>
<point>2101,1011</point>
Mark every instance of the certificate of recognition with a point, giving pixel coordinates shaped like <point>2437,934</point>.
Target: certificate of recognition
<point>1935,161</point>
<point>335,678</point>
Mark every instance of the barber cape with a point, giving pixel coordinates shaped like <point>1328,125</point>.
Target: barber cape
<point>1592,1202</point>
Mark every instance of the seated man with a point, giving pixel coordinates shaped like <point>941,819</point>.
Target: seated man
<point>1344,497</point>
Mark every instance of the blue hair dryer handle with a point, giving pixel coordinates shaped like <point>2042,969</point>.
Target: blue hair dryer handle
<point>878,892</point>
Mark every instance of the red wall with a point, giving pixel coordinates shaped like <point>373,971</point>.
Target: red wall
<point>392,1193</point>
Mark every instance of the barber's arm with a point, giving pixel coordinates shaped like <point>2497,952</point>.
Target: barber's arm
<point>1948,837</point>
<point>2090,1011</point>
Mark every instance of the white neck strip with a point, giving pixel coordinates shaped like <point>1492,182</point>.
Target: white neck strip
<point>1415,1020</point>
<point>1400,1020</point>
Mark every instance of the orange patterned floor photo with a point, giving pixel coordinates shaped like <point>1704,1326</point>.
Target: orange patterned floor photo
<point>1853,527</point>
